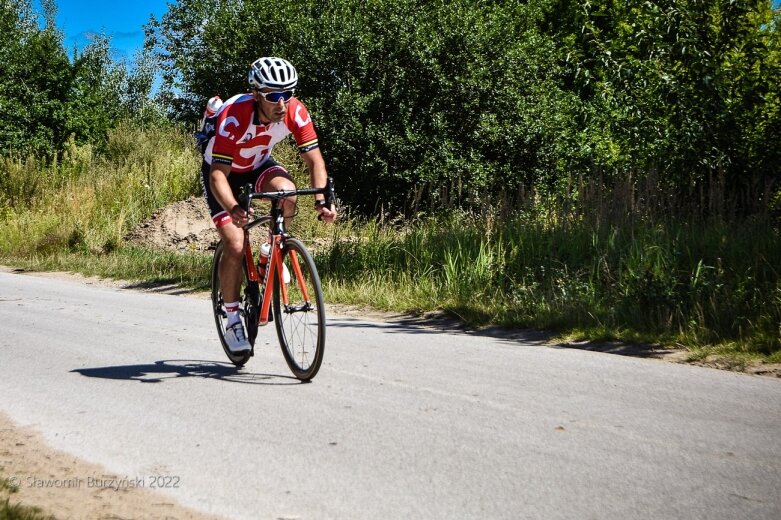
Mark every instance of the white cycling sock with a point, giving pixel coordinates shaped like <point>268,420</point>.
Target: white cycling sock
<point>232,309</point>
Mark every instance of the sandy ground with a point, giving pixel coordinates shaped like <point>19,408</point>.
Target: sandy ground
<point>183,226</point>
<point>66,487</point>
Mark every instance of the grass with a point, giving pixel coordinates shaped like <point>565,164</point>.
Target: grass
<point>86,202</point>
<point>126,263</point>
<point>13,510</point>
<point>711,286</point>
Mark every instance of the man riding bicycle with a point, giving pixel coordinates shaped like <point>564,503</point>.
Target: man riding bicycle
<point>247,127</point>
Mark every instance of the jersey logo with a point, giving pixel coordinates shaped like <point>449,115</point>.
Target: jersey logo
<point>256,152</point>
<point>300,121</point>
<point>223,126</point>
<point>254,155</point>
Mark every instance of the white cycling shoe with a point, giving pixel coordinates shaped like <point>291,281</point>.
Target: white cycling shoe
<point>236,339</point>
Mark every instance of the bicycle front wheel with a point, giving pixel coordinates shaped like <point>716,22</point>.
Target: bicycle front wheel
<point>299,311</point>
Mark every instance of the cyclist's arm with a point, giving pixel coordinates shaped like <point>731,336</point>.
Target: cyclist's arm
<point>319,177</point>
<point>218,181</point>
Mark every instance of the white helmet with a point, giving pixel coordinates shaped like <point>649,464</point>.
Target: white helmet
<point>275,73</point>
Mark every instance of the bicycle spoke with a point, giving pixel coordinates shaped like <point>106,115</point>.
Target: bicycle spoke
<point>301,320</point>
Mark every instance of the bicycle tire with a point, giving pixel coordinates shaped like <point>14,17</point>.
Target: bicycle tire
<point>300,323</point>
<point>250,297</point>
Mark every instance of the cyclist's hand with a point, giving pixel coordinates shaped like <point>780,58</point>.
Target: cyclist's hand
<point>239,216</point>
<point>326,214</point>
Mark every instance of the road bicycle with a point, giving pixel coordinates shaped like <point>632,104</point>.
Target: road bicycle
<point>286,291</point>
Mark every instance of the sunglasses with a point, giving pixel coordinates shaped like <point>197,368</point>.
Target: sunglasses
<point>274,97</point>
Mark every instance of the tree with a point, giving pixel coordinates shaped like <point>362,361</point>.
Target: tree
<point>36,80</point>
<point>462,102</point>
<point>687,90</point>
<point>46,98</point>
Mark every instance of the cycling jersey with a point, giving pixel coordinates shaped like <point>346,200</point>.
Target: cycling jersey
<point>242,141</point>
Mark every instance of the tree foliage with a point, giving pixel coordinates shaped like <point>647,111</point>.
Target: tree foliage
<point>687,88</point>
<point>35,80</point>
<point>47,98</point>
<point>459,102</point>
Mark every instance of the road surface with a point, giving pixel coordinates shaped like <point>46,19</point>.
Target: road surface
<point>401,422</point>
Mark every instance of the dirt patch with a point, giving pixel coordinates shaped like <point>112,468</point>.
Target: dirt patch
<point>59,484</point>
<point>183,226</point>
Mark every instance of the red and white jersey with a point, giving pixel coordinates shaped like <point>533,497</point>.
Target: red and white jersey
<point>242,141</point>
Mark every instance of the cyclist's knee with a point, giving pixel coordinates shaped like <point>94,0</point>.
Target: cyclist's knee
<point>289,206</point>
<point>276,178</point>
<point>233,248</point>
<point>232,240</point>
<point>281,181</point>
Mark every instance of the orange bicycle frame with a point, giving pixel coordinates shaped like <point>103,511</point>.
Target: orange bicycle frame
<point>274,270</point>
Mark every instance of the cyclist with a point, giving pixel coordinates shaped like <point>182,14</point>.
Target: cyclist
<point>247,127</point>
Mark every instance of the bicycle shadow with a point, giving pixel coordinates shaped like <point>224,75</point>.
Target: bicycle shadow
<point>162,370</point>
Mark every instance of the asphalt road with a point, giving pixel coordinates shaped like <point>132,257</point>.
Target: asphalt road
<point>401,422</point>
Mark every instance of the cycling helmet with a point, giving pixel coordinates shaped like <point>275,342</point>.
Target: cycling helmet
<point>275,73</point>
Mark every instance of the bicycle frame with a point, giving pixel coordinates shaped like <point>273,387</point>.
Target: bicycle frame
<point>278,236</point>
<point>273,271</point>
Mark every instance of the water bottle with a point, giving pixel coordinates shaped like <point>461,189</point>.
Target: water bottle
<point>265,252</point>
<point>212,106</point>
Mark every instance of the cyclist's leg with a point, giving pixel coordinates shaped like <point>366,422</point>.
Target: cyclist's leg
<point>230,270</point>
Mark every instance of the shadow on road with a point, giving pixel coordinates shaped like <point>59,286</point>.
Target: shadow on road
<point>159,371</point>
<point>163,286</point>
<point>443,324</point>
<point>638,350</point>
<point>421,325</point>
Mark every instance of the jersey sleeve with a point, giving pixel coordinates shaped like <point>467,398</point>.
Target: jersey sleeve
<point>227,132</point>
<point>299,122</point>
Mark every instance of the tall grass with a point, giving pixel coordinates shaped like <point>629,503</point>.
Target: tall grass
<point>87,202</point>
<point>698,285</point>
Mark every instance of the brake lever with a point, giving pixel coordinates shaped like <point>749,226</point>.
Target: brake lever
<point>329,195</point>
<point>244,198</point>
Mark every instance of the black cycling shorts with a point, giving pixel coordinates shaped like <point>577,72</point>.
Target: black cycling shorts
<point>219,215</point>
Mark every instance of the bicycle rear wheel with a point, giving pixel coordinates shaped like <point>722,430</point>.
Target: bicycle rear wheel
<point>299,312</point>
<point>250,296</point>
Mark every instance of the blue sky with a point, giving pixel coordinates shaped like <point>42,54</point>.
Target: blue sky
<point>123,22</point>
